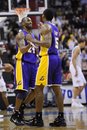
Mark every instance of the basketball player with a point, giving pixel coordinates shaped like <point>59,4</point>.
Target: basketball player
<point>25,70</point>
<point>49,70</point>
<point>4,68</point>
<point>78,78</point>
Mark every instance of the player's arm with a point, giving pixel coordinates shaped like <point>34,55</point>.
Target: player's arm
<point>46,33</point>
<point>75,54</point>
<point>20,39</point>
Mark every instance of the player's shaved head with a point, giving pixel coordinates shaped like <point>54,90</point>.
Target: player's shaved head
<point>26,23</point>
<point>25,19</point>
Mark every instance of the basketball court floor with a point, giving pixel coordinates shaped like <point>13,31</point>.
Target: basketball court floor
<point>76,119</point>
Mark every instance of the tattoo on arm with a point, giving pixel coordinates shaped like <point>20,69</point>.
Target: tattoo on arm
<point>21,43</point>
<point>20,39</point>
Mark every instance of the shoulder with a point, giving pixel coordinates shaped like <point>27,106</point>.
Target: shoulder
<point>20,35</point>
<point>76,49</point>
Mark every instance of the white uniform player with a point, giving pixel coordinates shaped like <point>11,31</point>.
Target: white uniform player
<point>6,67</point>
<point>78,78</point>
<point>2,82</point>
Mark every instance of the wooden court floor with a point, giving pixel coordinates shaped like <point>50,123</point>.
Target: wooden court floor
<point>76,119</point>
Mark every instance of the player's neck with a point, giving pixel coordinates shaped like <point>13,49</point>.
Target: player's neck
<point>27,30</point>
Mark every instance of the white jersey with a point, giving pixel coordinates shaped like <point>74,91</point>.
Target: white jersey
<point>2,82</point>
<point>0,67</point>
<point>78,80</point>
<point>79,58</point>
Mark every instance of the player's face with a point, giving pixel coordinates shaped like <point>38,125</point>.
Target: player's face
<point>28,23</point>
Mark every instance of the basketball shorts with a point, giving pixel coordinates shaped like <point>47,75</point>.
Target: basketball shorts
<point>49,71</point>
<point>25,74</point>
<point>78,80</point>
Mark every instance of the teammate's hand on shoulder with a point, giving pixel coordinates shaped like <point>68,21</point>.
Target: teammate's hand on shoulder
<point>40,25</point>
<point>44,29</point>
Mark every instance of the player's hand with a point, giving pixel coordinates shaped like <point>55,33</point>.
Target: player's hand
<point>44,29</point>
<point>40,25</point>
